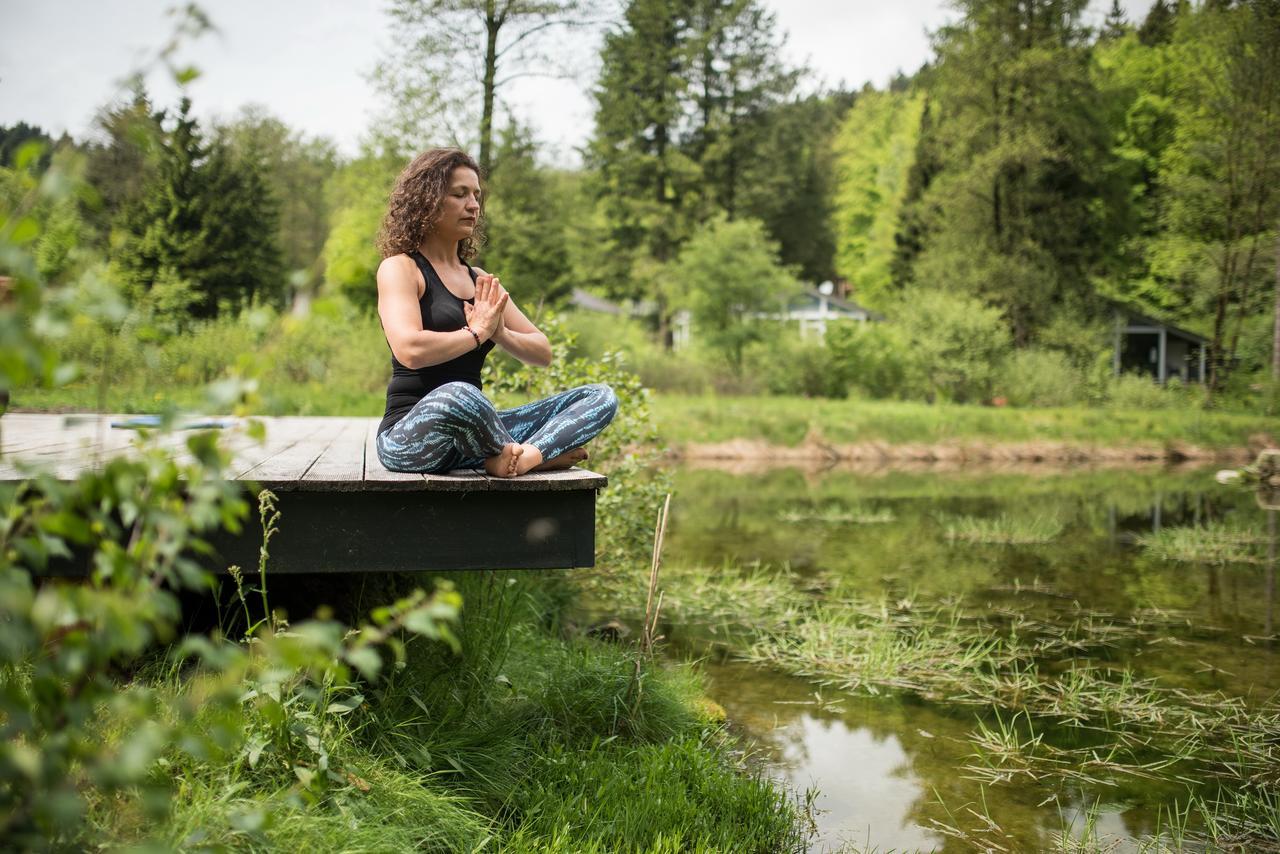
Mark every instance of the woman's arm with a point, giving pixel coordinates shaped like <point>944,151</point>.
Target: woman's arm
<point>413,346</point>
<point>517,334</point>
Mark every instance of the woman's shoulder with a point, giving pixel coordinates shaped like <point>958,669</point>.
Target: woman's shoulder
<point>396,263</point>
<point>397,269</point>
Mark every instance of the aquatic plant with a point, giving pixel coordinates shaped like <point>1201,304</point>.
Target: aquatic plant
<point>1214,543</point>
<point>1004,529</point>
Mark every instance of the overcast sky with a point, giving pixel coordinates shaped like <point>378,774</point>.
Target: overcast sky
<point>308,61</point>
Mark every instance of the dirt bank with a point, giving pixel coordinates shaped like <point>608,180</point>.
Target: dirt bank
<point>813,449</point>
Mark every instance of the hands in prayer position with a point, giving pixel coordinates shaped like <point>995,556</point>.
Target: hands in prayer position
<point>485,317</point>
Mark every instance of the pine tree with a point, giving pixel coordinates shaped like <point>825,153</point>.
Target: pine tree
<point>1157,27</point>
<point>526,244</point>
<point>739,78</point>
<point>1115,25</point>
<point>203,236</point>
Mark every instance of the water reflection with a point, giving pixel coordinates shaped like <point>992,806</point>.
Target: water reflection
<point>886,766</point>
<point>887,769</point>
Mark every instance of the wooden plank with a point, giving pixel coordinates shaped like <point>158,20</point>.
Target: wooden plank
<point>72,445</point>
<point>550,481</point>
<point>301,445</point>
<point>26,434</point>
<point>283,434</point>
<point>341,465</point>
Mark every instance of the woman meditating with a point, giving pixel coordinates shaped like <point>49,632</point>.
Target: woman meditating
<point>441,318</point>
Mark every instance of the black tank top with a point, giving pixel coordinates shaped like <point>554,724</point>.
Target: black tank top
<point>441,312</point>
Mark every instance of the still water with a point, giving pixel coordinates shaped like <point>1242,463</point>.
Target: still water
<point>890,768</point>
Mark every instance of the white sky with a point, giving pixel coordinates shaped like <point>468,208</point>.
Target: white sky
<point>308,62</point>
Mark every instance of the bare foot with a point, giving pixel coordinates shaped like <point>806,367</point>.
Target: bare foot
<point>530,458</point>
<point>506,463</point>
<point>569,458</point>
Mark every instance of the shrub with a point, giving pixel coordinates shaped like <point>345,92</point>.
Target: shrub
<point>1039,378</point>
<point>956,342</point>
<point>872,357</point>
<point>789,365</point>
<point>1133,391</point>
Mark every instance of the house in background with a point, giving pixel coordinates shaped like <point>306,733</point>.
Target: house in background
<point>1160,350</point>
<point>813,309</point>
<point>816,307</point>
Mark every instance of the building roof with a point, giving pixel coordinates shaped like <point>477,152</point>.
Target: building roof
<point>1137,318</point>
<point>590,302</point>
<point>838,305</point>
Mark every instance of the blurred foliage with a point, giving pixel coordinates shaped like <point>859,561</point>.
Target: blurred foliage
<point>134,531</point>
<point>728,273</point>
<point>875,149</point>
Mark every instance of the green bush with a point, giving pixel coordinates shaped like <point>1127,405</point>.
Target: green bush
<point>874,358</point>
<point>956,344</point>
<point>1134,391</point>
<point>1039,378</point>
<point>595,334</point>
<point>789,365</point>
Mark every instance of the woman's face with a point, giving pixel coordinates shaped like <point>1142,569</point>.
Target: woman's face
<point>460,210</point>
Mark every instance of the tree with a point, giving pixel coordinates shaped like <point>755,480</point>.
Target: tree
<point>787,180</point>
<point>1115,25</point>
<point>357,197</point>
<point>1157,27</point>
<point>648,189</point>
<point>692,117</point>
<point>297,169</point>
<point>728,273</point>
<point>1223,170</point>
<point>875,148</point>
<point>526,219</point>
<point>738,78</point>
<point>1012,215</point>
<point>15,136</point>
<point>462,52</point>
<point>204,232</point>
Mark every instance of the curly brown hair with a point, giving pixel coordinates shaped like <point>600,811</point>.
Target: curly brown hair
<point>416,200</point>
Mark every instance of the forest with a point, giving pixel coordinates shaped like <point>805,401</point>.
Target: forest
<point>996,207</point>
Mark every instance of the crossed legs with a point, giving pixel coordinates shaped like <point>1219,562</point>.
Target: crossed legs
<point>456,426</point>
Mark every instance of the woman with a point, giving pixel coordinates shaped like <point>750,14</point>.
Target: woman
<point>441,318</point>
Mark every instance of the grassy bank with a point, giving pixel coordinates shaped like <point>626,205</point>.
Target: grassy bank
<point>522,742</point>
<point>788,420</point>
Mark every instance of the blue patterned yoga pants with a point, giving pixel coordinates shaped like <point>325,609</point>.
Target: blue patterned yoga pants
<point>455,426</point>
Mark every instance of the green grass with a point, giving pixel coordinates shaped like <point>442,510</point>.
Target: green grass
<point>1214,544</point>
<point>787,420</point>
<point>524,742</point>
<point>1003,529</point>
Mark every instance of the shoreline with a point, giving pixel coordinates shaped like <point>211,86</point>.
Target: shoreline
<point>813,450</point>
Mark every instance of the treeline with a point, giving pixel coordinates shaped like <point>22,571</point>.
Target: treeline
<point>1038,170</point>
<point>1053,171</point>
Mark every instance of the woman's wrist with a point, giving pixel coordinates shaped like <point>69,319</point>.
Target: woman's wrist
<point>475,335</point>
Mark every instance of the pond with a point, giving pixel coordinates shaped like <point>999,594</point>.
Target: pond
<point>1120,652</point>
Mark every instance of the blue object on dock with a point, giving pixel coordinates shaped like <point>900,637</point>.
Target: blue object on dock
<point>148,421</point>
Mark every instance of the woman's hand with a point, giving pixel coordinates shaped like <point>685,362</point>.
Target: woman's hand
<point>485,317</point>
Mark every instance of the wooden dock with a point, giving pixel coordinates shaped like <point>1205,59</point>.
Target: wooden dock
<point>341,510</point>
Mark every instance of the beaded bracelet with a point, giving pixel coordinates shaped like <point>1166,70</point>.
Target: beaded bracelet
<point>473,335</point>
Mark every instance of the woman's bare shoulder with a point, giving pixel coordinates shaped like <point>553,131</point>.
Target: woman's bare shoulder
<point>396,270</point>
